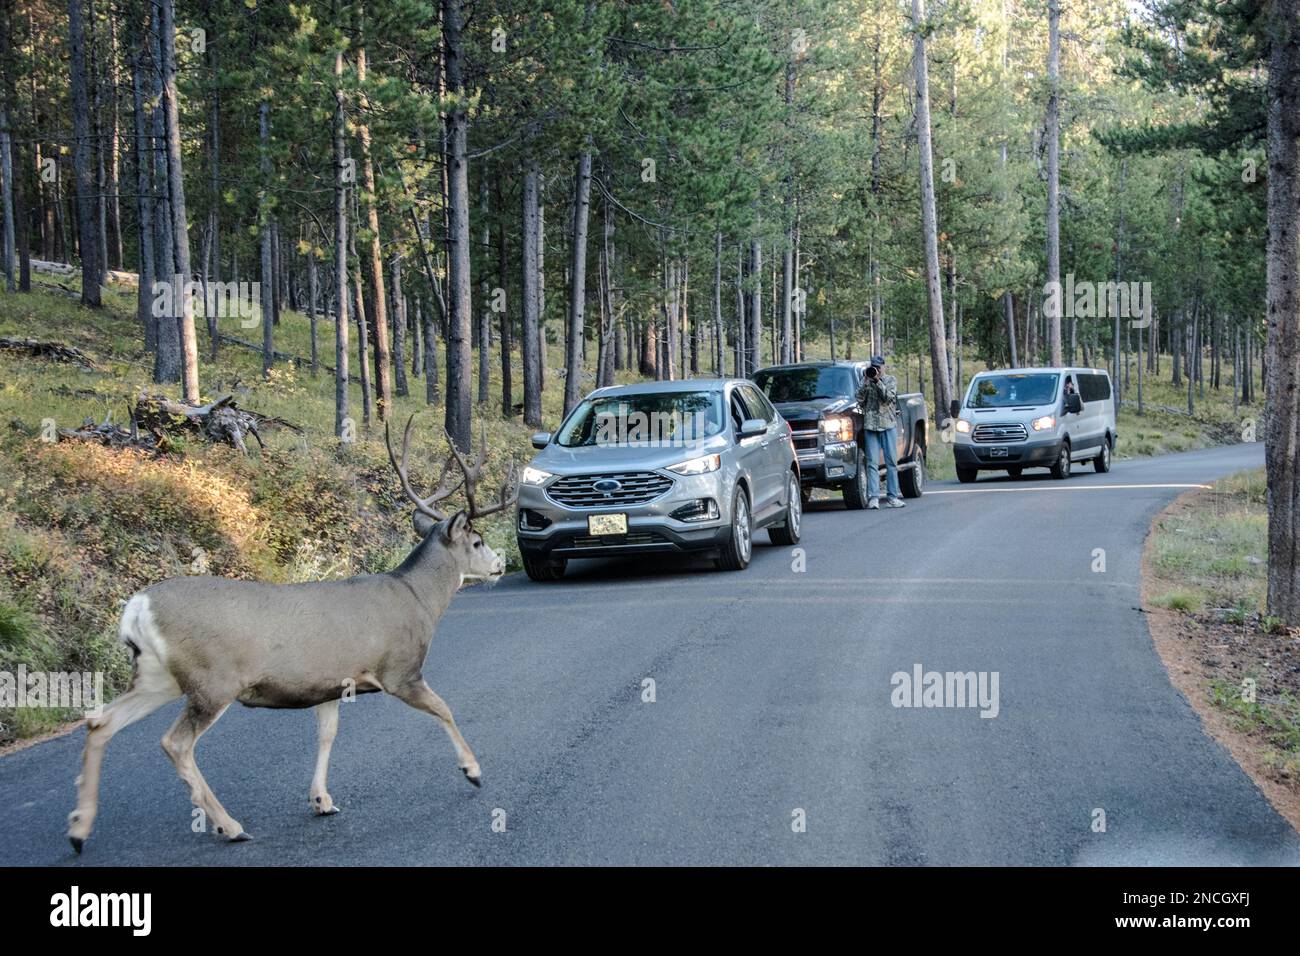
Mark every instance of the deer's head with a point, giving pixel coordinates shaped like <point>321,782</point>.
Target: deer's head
<point>456,535</point>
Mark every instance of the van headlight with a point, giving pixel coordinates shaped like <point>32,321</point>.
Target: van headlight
<point>1044,423</point>
<point>534,476</point>
<point>837,429</point>
<point>963,426</point>
<point>698,466</point>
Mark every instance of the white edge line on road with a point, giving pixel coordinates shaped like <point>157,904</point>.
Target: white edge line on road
<point>980,491</point>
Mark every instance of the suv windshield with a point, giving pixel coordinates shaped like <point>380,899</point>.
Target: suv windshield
<point>1002,391</point>
<point>806,384</point>
<point>650,419</point>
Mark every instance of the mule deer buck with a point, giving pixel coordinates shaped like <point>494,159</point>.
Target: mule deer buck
<point>216,641</point>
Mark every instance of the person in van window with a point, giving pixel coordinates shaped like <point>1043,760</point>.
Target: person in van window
<point>878,397</point>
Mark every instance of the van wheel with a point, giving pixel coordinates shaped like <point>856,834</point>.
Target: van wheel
<point>787,532</point>
<point>1102,461</point>
<point>855,491</point>
<point>912,480</point>
<point>1062,467</point>
<point>543,569</point>
<point>967,475</point>
<point>734,555</point>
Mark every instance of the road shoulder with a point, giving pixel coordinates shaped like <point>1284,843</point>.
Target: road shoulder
<point>1213,653</point>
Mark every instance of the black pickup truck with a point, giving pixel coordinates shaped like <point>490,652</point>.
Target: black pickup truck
<point>819,400</point>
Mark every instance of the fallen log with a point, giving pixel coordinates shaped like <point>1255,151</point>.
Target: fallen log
<point>220,421</point>
<point>279,356</point>
<point>51,350</point>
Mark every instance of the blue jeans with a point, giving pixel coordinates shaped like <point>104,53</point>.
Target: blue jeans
<point>887,442</point>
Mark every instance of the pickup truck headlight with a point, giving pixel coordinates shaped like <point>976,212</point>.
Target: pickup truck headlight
<point>837,429</point>
<point>698,466</point>
<point>963,426</point>
<point>1044,423</point>
<point>534,476</point>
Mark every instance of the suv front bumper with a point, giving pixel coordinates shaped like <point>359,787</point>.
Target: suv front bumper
<point>650,527</point>
<point>1025,454</point>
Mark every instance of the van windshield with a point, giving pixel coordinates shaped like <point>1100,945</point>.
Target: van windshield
<point>1003,391</point>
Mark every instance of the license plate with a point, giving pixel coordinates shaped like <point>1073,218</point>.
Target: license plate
<point>607,524</point>
<point>997,453</point>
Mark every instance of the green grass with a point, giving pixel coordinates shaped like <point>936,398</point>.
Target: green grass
<point>1276,719</point>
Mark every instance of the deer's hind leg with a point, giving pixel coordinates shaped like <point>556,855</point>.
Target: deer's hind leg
<point>179,743</point>
<point>140,701</point>
<point>327,724</point>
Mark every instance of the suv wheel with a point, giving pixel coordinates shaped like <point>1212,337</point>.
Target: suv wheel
<point>1102,461</point>
<point>1062,467</point>
<point>967,475</point>
<point>543,569</point>
<point>855,490</point>
<point>787,532</point>
<point>735,553</point>
<point>912,480</point>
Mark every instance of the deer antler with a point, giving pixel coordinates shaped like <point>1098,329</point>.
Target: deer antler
<point>474,472</point>
<point>423,505</point>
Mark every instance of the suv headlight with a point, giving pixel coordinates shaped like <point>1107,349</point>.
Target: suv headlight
<point>837,429</point>
<point>963,426</point>
<point>698,466</point>
<point>534,476</point>
<point>1044,423</point>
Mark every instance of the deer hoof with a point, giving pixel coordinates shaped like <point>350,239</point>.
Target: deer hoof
<point>242,837</point>
<point>323,806</point>
<point>475,778</point>
<point>76,843</point>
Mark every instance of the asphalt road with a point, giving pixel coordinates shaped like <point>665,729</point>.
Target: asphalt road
<point>772,705</point>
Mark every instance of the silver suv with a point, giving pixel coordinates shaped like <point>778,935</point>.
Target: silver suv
<point>681,466</point>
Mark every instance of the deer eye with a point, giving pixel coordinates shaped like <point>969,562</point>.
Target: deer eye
<point>478,544</point>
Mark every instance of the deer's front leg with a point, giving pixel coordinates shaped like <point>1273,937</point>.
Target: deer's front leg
<point>327,725</point>
<point>420,696</point>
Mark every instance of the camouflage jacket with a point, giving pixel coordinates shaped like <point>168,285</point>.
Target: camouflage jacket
<point>879,400</point>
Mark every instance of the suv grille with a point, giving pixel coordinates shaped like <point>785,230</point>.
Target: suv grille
<point>635,488</point>
<point>1005,431</point>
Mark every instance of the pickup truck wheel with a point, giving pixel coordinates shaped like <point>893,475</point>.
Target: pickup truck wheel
<point>1102,462</point>
<point>1061,469</point>
<point>543,569</point>
<point>912,480</point>
<point>734,555</point>
<point>787,533</point>
<point>1013,472</point>
<point>855,490</point>
<point>967,475</point>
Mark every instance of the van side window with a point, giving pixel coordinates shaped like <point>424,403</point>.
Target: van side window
<point>1094,388</point>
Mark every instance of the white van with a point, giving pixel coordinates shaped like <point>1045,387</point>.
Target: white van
<point>1020,418</point>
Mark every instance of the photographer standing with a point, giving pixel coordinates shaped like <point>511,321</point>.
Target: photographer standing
<point>878,398</point>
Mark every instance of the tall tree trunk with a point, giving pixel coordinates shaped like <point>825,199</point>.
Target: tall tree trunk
<point>929,220</point>
<point>1054,169</point>
<point>458,268</point>
<point>754,352</point>
<point>400,386</point>
<point>313,309</point>
<point>1282,381</point>
<point>375,265</point>
<point>485,300</point>
<point>81,158</point>
<point>343,428</point>
<point>144,209</point>
<point>507,386</point>
<point>176,189</point>
<point>528,293</point>
<point>265,236</point>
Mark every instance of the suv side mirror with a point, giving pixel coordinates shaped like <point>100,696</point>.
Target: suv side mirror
<point>751,427</point>
<point>954,408</point>
<point>541,439</point>
<point>1073,404</point>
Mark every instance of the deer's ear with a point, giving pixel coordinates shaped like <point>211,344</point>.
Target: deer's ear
<point>423,524</point>
<point>455,527</point>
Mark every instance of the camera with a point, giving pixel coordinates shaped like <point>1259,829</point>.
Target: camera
<point>871,371</point>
